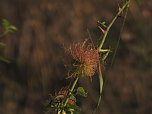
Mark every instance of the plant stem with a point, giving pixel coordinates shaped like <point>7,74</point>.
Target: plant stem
<point>112,22</point>
<point>126,5</point>
<point>70,92</point>
<point>117,44</point>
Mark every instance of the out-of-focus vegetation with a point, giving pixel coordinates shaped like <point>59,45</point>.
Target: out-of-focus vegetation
<point>6,28</point>
<point>36,54</point>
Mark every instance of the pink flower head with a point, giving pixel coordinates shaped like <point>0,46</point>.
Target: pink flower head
<point>86,58</point>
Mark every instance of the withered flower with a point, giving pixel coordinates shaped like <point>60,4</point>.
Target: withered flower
<point>85,57</point>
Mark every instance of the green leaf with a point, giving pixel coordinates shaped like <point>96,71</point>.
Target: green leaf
<point>72,108</point>
<point>5,23</point>
<point>81,91</point>
<point>103,23</point>
<point>100,79</point>
<point>4,60</point>
<point>2,44</point>
<point>12,28</point>
<point>8,27</point>
<point>101,85</point>
<point>58,97</point>
<point>72,98</point>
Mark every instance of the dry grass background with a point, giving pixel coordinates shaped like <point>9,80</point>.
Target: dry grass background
<point>36,53</point>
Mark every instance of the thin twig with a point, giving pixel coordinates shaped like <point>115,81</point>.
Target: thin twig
<point>110,25</point>
<point>117,45</point>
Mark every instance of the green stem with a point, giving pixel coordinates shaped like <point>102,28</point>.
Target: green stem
<point>70,92</point>
<point>112,22</point>
<point>117,44</point>
<point>126,5</point>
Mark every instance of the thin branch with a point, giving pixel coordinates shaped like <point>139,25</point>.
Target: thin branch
<point>112,22</point>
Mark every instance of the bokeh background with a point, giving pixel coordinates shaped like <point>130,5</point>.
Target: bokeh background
<point>36,52</point>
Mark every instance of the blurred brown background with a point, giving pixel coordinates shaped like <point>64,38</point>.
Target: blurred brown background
<point>36,52</point>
